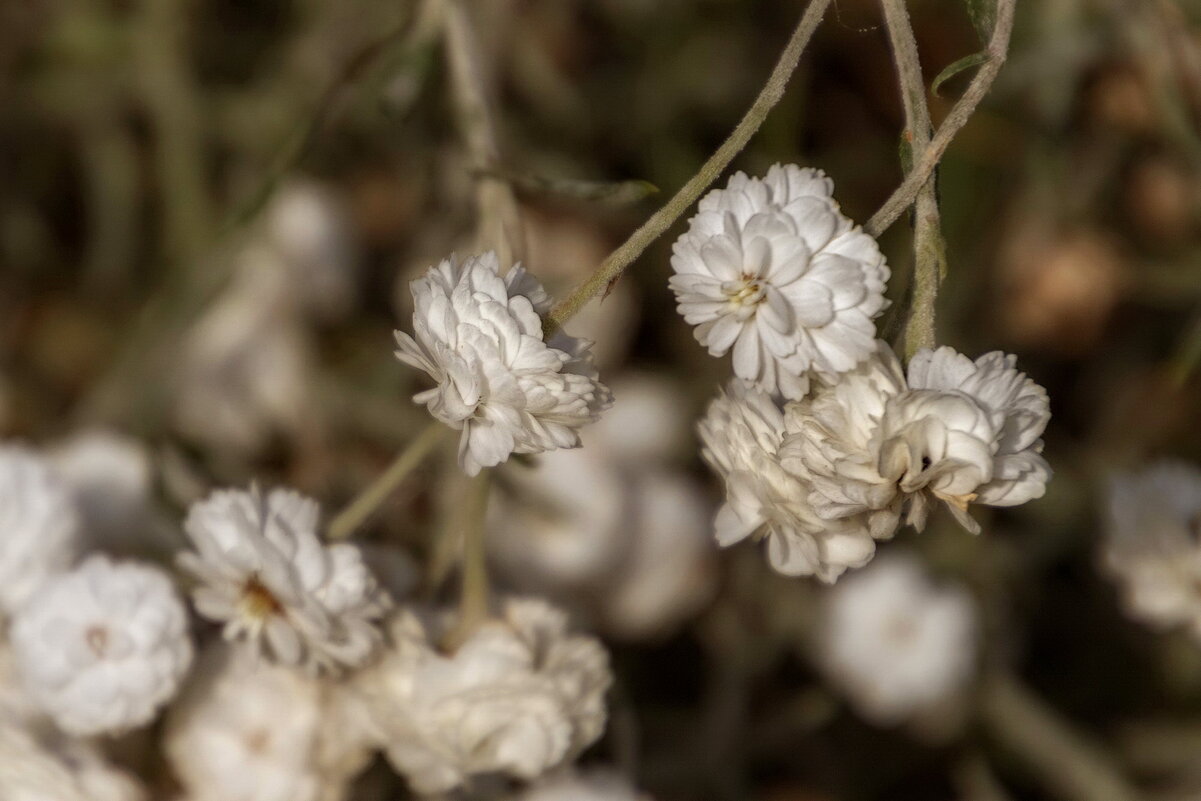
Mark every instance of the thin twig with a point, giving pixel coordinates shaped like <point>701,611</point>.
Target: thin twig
<point>1067,763</point>
<point>905,194</point>
<point>617,262</point>
<point>929,249</point>
<point>499,225</point>
<point>361,508</point>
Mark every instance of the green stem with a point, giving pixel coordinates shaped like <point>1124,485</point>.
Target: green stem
<point>617,262</point>
<point>353,516</point>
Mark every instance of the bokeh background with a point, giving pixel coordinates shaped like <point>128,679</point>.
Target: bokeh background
<point>210,211</point>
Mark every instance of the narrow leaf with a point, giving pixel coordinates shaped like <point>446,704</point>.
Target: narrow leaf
<point>953,69</point>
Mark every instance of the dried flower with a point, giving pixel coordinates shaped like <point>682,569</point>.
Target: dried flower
<point>772,269</point>
<point>103,647</point>
<point>265,573</point>
<point>35,769</point>
<point>479,336</point>
<point>518,697</point>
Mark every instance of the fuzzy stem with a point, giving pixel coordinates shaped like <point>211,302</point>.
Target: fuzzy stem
<point>499,220</point>
<point>473,601</point>
<point>353,516</point>
<point>929,249</point>
<point>905,194</point>
<point>617,262</point>
<point>1068,764</point>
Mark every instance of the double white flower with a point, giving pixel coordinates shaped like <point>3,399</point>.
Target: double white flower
<point>265,574</point>
<point>771,268</point>
<point>879,449</point>
<point>479,336</point>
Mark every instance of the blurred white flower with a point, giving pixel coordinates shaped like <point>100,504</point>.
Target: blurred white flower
<point>877,449</point>
<point>1152,544</point>
<point>245,730</point>
<point>610,530</point>
<point>110,479</point>
<point>772,268</point>
<point>307,225</point>
<point>571,785</point>
<point>33,770</point>
<point>519,697</point>
<point>479,336</point>
<point>39,528</point>
<point>897,644</point>
<point>103,647</point>
<point>741,436</point>
<point>245,369</point>
<point>265,574</point>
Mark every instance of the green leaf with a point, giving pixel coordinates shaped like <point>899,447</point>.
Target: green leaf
<point>984,16</point>
<point>953,69</point>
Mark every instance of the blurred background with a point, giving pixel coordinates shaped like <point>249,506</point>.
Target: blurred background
<point>210,211</point>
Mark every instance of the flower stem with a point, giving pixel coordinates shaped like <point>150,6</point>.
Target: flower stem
<point>617,261</point>
<point>1067,763</point>
<point>353,516</point>
<point>929,249</point>
<point>923,166</point>
<point>473,600</point>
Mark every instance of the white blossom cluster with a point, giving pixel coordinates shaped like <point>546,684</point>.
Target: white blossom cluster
<point>499,380</point>
<point>1152,544</point>
<point>824,443</point>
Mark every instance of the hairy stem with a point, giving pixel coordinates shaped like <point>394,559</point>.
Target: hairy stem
<point>1049,748</point>
<point>929,250</point>
<point>617,262</point>
<point>905,194</point>
<point>499,221</point>
<point>361,508</point>
<point>473,601</point>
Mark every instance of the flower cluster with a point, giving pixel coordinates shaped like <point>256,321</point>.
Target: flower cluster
<point>264,572</point>
<point>499,381</point>
<point>770,268</point>
<point>824,477</point>
<point>520,696</point>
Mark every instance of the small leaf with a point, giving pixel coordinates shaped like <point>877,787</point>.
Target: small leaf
<point>984,16</point>
<point>953,69</point>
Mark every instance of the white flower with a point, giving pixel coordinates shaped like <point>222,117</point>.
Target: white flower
<point>246,730</point>
<point>34,770</point>
<point>265,573</point>
<point>110,479</point>
<point>479,336</point>
<point>772,268</point>
<point>570,785</point>
<point>103,647</point>
<point>39,529</point>
<point>1152,546</point>
<point>741,436</point>
<point>307,226</point>
<point>877,448</point>
<point>1019,472</point>
<point>894,642</point>
<point>519,697</point>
